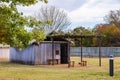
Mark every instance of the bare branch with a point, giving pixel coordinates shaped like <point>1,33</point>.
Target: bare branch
<point>113,18</point>
<point>58,18</point>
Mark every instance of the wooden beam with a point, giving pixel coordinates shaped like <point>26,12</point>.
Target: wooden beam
<point>100,52</point>
<point>81,49</point>
<point>68,54</point>
<point>74,36</point>
<point>59,42</point>
<point>52,51</point>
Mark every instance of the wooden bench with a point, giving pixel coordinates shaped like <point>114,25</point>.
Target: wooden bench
<point>72,63</point>
<point>56,61</point>
<point>83,63</point>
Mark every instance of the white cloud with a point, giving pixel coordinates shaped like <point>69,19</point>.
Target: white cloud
<point>30,10</point>
<point>67,4</point>
<point>93,11</point>
<point>89,12</point>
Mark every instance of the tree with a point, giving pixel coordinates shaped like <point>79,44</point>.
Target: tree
<point>12,22</point>
<point>22,2</point>
<point>38,35</point>
<point>82,31</point>
<point>57,19</point>
<point>110,35</point>
<point>113,18</point>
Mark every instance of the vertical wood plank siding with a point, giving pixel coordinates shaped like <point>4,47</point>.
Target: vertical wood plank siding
<point>34,54</point>
<point>26,56</point>
<point>44,52</point>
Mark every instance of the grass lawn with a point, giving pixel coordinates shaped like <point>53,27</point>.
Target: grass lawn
<point>12,71</point>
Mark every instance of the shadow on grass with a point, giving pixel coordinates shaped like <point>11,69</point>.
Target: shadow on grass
<point>11,64</point>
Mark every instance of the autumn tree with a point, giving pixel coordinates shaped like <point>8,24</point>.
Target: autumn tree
<point>113,18</point>
<point>110,34</point>
<point>12,22</point>
<point>57,19</point>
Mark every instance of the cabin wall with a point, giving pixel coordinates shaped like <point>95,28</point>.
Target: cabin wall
<point>26,56</point>
<point>43,52</point>
<point>35,54</point>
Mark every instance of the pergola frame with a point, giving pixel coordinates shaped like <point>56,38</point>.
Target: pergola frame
<point>75,36</point>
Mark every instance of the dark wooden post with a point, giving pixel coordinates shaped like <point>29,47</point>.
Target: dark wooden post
<point>99,51</point>
<point>68,54</point>
<point>81,49</point>
<point>52,51</point>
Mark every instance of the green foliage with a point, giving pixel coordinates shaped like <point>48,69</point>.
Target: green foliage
<point>110,35</point>
<point>21,39</point>
<point>23,2</point>
<point>82,31</point>
<point>12,23</point>
<point>38,35</point>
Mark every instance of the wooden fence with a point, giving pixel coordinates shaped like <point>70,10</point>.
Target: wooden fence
<point>94,51</point>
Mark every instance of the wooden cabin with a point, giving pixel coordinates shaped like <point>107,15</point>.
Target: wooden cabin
<point>46,52</point>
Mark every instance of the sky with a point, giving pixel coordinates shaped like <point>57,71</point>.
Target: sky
<point>86,13</point>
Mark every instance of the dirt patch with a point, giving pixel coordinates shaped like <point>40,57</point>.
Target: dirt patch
<point>4,60</point>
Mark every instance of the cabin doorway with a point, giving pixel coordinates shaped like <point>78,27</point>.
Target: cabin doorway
<point>64,53</point>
